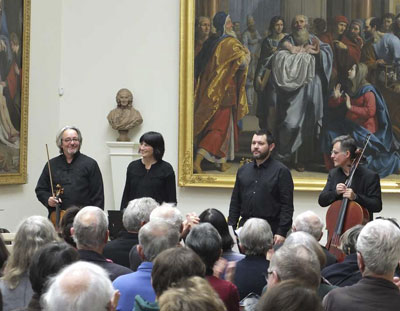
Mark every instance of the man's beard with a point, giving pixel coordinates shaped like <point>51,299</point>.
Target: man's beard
<point>230,33</point>
<point>262,155</point>
<point>72,150</point>
<point>301,36</point>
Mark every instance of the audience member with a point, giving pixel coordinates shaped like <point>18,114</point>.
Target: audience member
<point>255,240</point>
<point>90,232</point>
<point>135,216</point>
<point>154,237</point>
<point>218,220</point>
<point>378,254</point>
<point>205,240</point>
<point>46,263</point>
<point>345,273</point>
<point>3,255</point>
<point>311,223</point>
<point>192,294</point>
<point>81,286</point>
<point>307,240</point>
<point>289,295</point>
<point>32,234</point>
<point>166,212</point>
<point>294,262</point>
<point>169,268</point>
<point>66,224</point>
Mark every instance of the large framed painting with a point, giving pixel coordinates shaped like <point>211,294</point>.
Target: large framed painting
<point>14,84</point>
<point>307,71</point>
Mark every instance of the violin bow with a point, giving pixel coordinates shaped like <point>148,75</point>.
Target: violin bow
<point>51,178</point>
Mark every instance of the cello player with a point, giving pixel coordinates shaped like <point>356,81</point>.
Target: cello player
<point>365,188</point>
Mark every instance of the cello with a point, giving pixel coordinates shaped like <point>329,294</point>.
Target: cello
<point>345,214</point>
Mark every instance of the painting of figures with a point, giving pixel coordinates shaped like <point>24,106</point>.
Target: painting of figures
<point>14,62</point>
<point>306,70</point>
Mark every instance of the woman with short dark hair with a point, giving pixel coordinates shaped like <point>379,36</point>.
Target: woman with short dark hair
<point>150,176</point>
<point>218,220</point>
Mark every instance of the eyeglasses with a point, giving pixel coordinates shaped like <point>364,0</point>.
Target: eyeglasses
<point>68,140</point>
<point>266,275</point>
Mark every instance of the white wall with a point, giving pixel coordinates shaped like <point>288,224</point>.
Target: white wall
<point>91,49</point>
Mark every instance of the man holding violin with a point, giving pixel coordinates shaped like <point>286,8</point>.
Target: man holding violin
<point>78,175</point>
<point>365,188</point>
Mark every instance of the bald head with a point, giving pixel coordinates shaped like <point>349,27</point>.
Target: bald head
<point>169,214</point>
<point>309,222</point>
<point>90,228</point>
<point>80,286</point>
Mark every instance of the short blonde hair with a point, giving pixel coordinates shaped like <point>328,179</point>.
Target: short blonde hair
<point>192,294</point>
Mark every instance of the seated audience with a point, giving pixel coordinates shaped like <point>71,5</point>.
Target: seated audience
<point>3,255</point>
<point>192,294</point>
<point>66,224</point>
<point>218,220</point>
<point>378,254</point>
<point>165,212</point>
<point>206,242</point>
<point>32,234</point>
<point>90,232</point>
<point>135,216</point>
<point>345,273</point>
<point>255,240</point>
<point>169,268</point>
<point>46,263</point>
<point>311,223</point>
<point>81,286</point>
<point>154,237</point>
<point>289,295</point>
<point>294,262</point>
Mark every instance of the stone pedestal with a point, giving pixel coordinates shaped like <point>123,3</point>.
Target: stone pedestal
<point>121,154</point>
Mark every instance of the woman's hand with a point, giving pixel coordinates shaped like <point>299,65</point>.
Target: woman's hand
<point>336,91</point>
<point>348,102</point>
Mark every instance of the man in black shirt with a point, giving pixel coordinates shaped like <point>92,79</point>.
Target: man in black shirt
<point>263,189</point>
<point>76,173</point>
<point>365,188</point>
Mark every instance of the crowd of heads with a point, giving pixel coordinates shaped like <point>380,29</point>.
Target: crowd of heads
<point>60,281</point>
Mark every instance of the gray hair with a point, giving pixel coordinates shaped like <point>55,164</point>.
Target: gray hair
<point>309,222</point>
<point>296,262</point>
<point>206,242</point>
<point>33,233</point>
<point>81,286</point>
<point>156,236</point>
<point>256,237</point>
<point>90,227</point>
<point>168,213</point>
<point>379,246</point>
<point>307,240</point>
<point>61,132</point>
<point>138,212</point>
<point>348,240</point>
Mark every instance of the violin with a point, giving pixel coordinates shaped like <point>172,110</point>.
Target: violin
<point>345,214</point>
<point>58,214</point>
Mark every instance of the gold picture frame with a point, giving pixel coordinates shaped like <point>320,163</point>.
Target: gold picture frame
<point>13,155</point>
<point>305,181</point>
